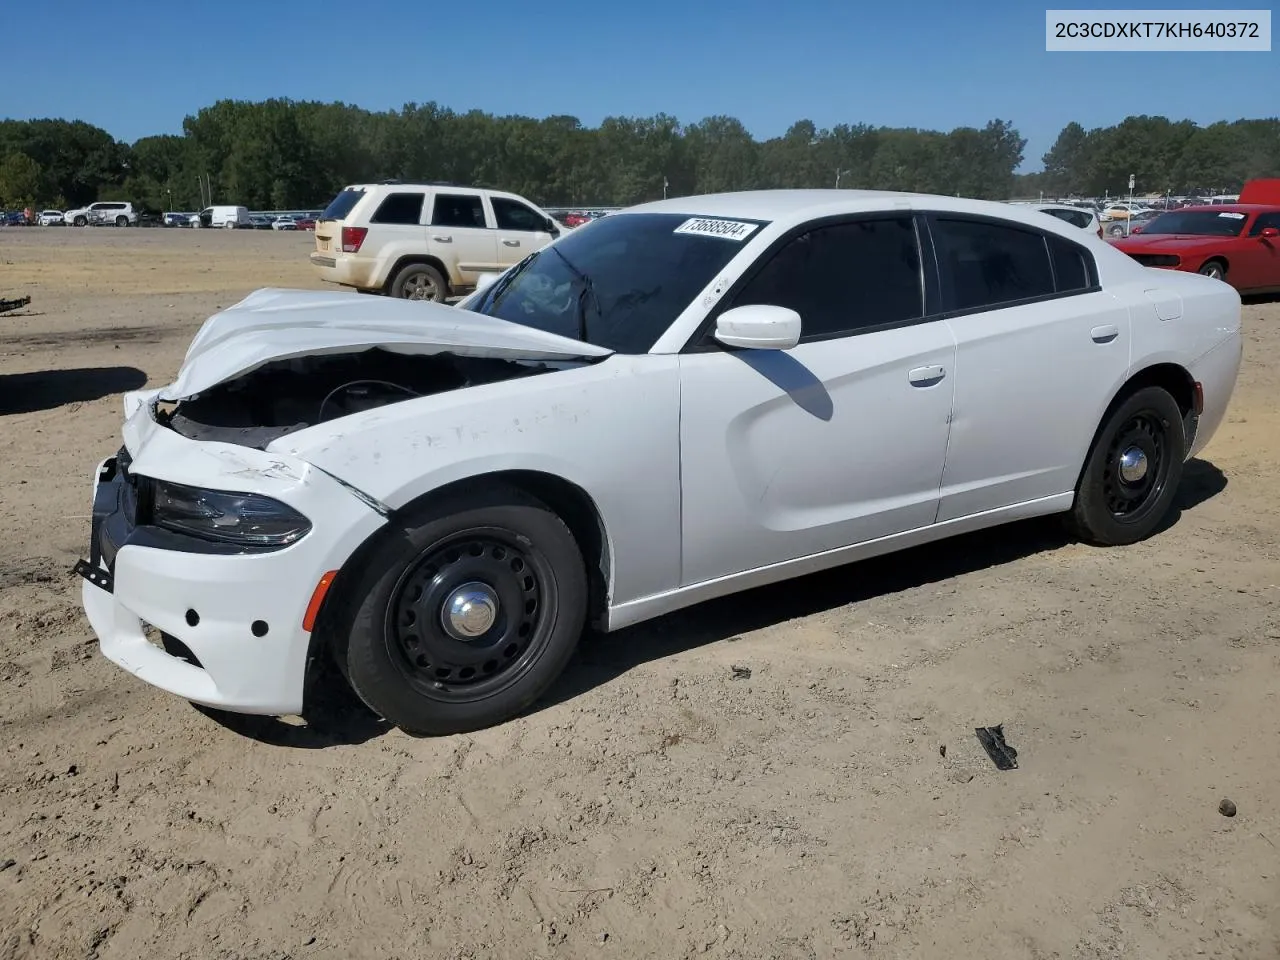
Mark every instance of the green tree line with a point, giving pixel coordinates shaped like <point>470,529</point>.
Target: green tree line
<point>283,154</point>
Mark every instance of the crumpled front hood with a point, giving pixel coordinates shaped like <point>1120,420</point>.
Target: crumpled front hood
<point>275,324</point>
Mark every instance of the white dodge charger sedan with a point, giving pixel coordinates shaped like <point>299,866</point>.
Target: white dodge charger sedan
<point>679,401</point>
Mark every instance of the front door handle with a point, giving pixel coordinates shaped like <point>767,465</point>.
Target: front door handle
<point>512,243</point>
<point>926,376</point>
<point>1105,333</point>
<point>440,239</point>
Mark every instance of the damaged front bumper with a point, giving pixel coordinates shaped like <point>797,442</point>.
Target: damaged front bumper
<point>237,615</point>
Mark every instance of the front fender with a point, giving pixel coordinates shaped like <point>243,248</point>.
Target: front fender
<point>610,428</point>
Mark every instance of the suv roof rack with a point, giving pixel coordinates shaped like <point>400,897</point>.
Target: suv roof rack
<point>419,183</point>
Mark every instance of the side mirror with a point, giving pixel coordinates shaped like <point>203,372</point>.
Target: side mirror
<point>1269,233</point>
<point>759,327</point>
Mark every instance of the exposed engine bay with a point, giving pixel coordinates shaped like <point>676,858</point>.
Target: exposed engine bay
<point>286,396</point>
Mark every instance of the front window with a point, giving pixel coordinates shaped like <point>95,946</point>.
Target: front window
<point>1197,223</point>
<point>511,215</point>
<point>618,282</point>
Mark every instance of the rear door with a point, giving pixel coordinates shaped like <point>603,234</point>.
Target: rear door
<point>1040,348</point>
<point>461,237</point>
<point>521,230</point>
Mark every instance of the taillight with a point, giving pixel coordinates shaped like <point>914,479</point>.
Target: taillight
<point>352,238</point>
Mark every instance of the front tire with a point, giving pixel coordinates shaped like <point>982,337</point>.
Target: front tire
<point>1132,474</point>
<point>466,614</point>
<point>1215,269</point>
<point>419,281</point>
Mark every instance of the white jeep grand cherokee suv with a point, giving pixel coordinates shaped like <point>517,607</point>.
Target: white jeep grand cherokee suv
<point>425,241</point>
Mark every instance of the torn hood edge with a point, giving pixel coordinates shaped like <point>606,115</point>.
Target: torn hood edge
<point>276,324</point>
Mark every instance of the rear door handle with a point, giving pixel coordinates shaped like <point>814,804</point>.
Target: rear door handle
<point>440,239</point>
<point>1105,333</point>
<point>926,376</point>
<point>512,243</point>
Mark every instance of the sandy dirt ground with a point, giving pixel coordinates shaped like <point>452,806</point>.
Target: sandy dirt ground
<point>661,803</point>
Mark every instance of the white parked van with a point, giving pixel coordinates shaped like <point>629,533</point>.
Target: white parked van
<point>229,218</point>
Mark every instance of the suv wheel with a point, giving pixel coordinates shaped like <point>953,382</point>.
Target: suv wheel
<point>122,221</point>
<point>419,281</point>
<point>81,221</point>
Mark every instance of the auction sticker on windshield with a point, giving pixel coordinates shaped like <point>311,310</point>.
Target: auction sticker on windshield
<point>725,229</point>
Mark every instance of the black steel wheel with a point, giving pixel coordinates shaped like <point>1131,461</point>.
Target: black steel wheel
<point>471,614</point>
<point>465,614</point>
<point>1132,474</point>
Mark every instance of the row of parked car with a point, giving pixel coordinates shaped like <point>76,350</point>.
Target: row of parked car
<point>229,217</point>
<point>105,213</point>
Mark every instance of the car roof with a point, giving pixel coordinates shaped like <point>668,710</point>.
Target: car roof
<point>797,206</point>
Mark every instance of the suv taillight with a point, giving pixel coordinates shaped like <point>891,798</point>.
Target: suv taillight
<point>352,237</point>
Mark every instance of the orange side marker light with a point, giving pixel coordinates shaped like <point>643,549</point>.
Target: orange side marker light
<point>317,598</point>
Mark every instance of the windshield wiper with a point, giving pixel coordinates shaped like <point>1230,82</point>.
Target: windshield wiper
<point>587,288</point>
<point>495,291</point>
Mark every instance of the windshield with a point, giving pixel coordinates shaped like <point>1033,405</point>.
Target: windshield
<point>641,270</point>
<point>1199,223</point>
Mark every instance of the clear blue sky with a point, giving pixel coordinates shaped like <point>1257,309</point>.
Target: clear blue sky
<point>137,67</point>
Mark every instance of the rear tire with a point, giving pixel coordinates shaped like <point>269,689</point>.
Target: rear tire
<point>1131,476</point>
<point>419,281</point>
<point>122,221</point>
<point>466,613</point>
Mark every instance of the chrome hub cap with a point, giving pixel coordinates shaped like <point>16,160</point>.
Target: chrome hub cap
<point>470,611</point>
<point>1133,465</point>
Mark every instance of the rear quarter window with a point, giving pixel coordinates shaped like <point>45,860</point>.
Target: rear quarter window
<point>400,208</point>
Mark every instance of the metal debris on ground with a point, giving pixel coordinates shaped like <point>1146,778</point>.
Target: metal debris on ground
<point>7,306</point>
<point>741,673</point>
<point>1001,754</point>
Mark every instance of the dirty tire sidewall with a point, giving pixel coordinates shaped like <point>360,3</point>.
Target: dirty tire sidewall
<point>405,278</point>
<point>377,678</point>
<point>1091,519</point>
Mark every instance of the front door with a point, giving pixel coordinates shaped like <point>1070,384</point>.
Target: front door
<point>838,441</point>
<point>521,230</point>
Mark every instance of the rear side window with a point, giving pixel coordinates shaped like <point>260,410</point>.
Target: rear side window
<point>457,210</point>
<point>342,205</point>
<point>1072,266</point>
<point>1076,218</point>
<point>516,216</point>
<point>402,208</point>
<point>988,264</point>
<point>845,277</point>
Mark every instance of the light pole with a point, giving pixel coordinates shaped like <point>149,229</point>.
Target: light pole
<point>839,174</point>
<point>665,184</point>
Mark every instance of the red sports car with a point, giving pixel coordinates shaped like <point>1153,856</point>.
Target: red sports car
<point>1238,243</point>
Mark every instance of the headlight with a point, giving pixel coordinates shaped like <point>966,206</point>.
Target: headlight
<point>245,518</point>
